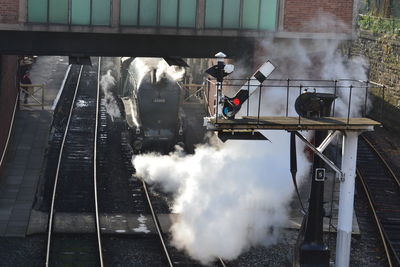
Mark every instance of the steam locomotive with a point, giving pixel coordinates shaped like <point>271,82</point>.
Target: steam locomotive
<point>151,101</point>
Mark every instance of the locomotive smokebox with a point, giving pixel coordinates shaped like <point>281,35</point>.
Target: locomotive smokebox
<point>314,105</point>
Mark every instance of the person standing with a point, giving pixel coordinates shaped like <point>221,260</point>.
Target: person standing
<point>26,80</point>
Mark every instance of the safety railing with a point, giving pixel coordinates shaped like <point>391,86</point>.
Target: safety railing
<point>31,95</point>
<point>276,97</point>
<point>192,92</point>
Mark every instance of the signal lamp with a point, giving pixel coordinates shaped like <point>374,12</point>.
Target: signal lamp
<point>236,101</point>
<point>225,111</point>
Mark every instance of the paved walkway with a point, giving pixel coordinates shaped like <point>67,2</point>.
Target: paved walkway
<point>24,158</point>
<point>22,170</point>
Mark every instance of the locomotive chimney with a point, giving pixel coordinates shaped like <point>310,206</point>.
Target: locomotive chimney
<point>153,76</point>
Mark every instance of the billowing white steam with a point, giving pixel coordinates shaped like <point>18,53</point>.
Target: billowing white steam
<point>229,196</point>
<point>107,82</point>
<point>233,196</point>
<point>313,59</point>
<point>141,66</point>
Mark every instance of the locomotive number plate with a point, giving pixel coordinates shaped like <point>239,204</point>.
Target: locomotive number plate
<point>159,100</point>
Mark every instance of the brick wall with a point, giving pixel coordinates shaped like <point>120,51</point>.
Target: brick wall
<point>8,93</point>
<point>9,11</point>
<point>318,16</point>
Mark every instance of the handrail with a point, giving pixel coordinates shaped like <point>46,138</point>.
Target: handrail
<point>186,88</point>
<point>31,93</point>
<point>347,89</point>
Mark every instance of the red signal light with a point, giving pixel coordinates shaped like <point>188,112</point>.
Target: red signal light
<point>236,101</point>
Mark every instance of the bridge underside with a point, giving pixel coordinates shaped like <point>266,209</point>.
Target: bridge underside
<point>108,44</point>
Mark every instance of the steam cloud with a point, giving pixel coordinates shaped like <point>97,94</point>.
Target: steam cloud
<point>235,195</point>
<point>107,82</point>
<point>141,66</point>
<point>313,59</point>
<point>229,196</point>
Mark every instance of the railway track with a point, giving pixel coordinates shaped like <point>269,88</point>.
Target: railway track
<point>175,257</point>
<point>382,189</point>
<point>93,176</point>
<point>75,177</point>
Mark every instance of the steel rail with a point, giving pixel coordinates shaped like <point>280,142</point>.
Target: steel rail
<point>51,215</point>
<point>53,107</point>
<point>377,222</point>
<point>98,229</point>
<point>157,224</point>
<point>383,160</point>
<point>158,227</point>
<point>221,262</point>
<point>3,154</point>
<point>383,234</point>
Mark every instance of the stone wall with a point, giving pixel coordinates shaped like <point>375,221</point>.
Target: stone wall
<point>383,54</point>
<point>8,93</point>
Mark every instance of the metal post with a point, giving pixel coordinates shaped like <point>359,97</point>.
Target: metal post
<point>300,88</point>
<point>42,97</point>
<point>208,96</point>
<point>158,13</point>
<point>346,198</point>
<point>313,251</point>
<point>69,12</point>
<point>334,102</point>
<point>383,101</point>
<point>138,14</point>
<point>248,100</point>
<point>220,78</point>
<point>217,103</point>
<point>178,11</point>
<point>259,105</point>
<point>348,110</point>
<point>221,23</point>
<point>366,98</point>
<point>287,97</point>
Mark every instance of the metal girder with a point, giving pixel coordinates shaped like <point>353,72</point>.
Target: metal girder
<point>327,140</point>
<point>114,44</point>
<point>322,156</point>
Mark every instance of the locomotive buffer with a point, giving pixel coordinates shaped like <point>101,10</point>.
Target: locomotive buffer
<point>312,251</point>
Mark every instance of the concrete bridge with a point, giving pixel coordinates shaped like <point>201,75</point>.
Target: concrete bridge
<point>187,28</point>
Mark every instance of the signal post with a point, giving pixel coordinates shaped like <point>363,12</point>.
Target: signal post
<point>313,114</point>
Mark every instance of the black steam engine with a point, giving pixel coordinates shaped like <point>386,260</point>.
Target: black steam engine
<point>152,109</point>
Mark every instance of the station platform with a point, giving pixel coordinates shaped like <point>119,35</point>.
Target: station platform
<point>22,168</point>
<point>28,142</point>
